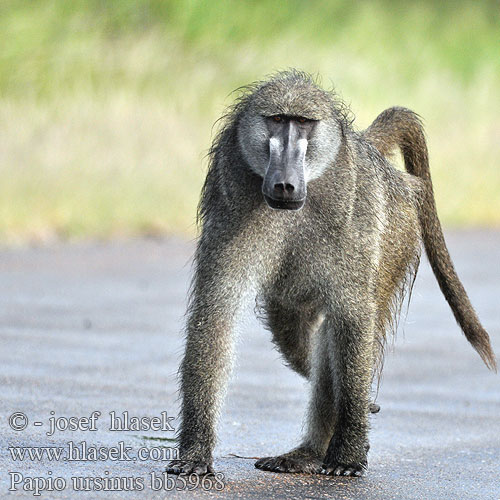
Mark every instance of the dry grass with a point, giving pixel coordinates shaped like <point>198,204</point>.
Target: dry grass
<point>105,135</point>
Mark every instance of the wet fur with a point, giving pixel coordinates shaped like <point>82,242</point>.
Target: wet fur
<point>329,278</point>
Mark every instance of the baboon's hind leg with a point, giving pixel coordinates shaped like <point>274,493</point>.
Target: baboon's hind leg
<point>293,331</point>
<point>299,460</point>
<point>299,336</point>
<point>308,457</point>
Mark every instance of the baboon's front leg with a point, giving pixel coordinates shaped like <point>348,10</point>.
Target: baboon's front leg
<point>219,285</point>
<point>351,342</point>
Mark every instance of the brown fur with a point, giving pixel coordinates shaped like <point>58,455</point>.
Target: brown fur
<point>329,276</point>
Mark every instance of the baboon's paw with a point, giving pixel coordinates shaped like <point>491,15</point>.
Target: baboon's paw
<point>354,470</point>
<point>189,467</point>
<point>302,464</point>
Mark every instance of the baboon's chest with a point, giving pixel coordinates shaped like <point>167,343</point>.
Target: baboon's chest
<point>301,276</point>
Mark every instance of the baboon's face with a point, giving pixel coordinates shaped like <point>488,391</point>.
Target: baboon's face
<point>288,151</point>
<point>284,184</point>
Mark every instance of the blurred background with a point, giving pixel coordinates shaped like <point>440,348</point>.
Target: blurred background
<point>107,107</point>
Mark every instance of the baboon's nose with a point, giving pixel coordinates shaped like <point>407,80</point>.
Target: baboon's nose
<point>281,188</point>
<point>284,189</point>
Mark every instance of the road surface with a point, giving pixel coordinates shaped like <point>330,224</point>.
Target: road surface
<point>96,327</point>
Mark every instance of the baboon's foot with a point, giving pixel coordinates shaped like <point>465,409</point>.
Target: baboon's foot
<point>189,467</point>
<point>300,460</point>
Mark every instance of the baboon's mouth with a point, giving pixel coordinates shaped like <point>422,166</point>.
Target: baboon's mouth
<point>284,204</point>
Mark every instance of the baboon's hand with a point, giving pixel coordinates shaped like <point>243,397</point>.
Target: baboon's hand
<point>336,466</point>
<point>189,467</point>
<point>341,469</point>
<point>355,470</point>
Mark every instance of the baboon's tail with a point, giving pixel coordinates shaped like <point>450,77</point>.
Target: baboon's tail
<point>403,128</point>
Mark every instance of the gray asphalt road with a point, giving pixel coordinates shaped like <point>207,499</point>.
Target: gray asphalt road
<point>96,327</point>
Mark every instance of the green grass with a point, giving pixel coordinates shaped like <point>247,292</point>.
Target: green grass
<point>106,108</point>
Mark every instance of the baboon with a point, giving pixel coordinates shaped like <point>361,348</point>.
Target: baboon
<point>308,217</point>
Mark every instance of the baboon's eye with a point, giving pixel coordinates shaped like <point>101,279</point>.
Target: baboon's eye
<point>277,119</point>
<point>301,119</point>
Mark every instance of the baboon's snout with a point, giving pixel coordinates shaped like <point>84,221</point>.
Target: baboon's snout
<point>284,190</point>
<point>284,185</point>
